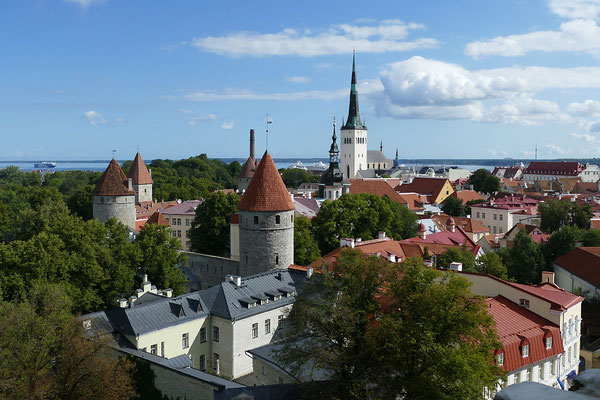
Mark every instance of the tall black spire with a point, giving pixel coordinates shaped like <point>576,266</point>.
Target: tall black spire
<point>353,121</point>
<point>334,151</point>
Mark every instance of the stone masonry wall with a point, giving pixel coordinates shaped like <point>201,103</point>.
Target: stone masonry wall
<point>210,270</point>
<point>120,207</point>
<point>178,385</point>
<point>266,245</point>
<point>143,192</point>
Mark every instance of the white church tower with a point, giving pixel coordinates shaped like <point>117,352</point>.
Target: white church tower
<point>353,141</point>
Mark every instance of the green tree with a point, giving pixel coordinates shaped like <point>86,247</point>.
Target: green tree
<point>491,264</point>
<point>561,242</point>
<point>477,179</point>
<point>81,201</point>
<point>295,177</point>
<point>305,246</point>
<point>44,354</point>
<point>384,331</point>
<point>457,254</point>
<point>210,229</point>
<point>361,215</point>
<point>161,257</point>
<point>454,206</point>
<point>591,238</point>
<point>580,215</point>
<point>524,260</point>
<point>491,184</point>
<point>554,214</point>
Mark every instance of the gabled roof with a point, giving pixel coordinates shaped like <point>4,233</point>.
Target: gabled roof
<point>266,191</point>
<point>467,195</point>
<point>431,187</point>
<point>375,186</point>
<point>559,298</point>
<point>248,169</point>
<point>138,172</point>
<point>554,168</point>
<point>457,238</point>
<point>468,225</point>
<point>113,182</point>
<point>158,219</point>
<point>187,207</point>
<point>584,262</point>
<point>516,326</point>
<point>145,209</point>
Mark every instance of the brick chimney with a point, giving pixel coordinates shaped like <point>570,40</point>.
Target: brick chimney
<point>547,277</point>
<point>252,143</point>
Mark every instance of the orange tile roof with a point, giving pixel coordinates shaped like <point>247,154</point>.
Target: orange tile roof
<point>430,187</point>
<point>517,326</point>
<point>583,262</point>
<point>113,182</point>
<point>413,200</point>
<point>248,169</point>
<point>375,186</point>
<point>138,172</point>
<point>467,195</point>
<point>147,208</point>
<point>158,219</point>
<point>467,224</point>
<point>266,191</point>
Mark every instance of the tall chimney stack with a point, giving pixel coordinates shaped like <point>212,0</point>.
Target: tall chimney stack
<point>252,143</point>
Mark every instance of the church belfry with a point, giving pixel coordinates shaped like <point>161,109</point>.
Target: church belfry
<point>353,135</point>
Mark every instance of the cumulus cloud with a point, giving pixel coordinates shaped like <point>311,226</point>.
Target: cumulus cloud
<point>580,33</point>
<point>586,137</point>
<point>202,119</point>
<point>94,117</point>
<point>587,108</point>
<point>84,3</point>
<point>386,36</point>
<point>298,79</point>
<point>227,125</point>
<point>554,149</point>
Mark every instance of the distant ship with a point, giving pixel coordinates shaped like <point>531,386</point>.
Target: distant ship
<point>45,164</point>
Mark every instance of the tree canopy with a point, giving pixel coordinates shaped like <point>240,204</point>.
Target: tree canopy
<point>305,246</point>
<point>491,263</point>
<point>457,254</point>
<point>454,206</point>
<point>382,330</point>
<point>361,215</point>
<point>210,229</point>
<point>524,260</point>
<point>556,213</point>
<point>478,178</point>
<point>295,177</point>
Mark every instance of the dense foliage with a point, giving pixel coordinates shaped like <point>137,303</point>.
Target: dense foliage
<point>306,249</point>
<point>457,254</point>
<point>44,353</point>
<point>524,260</point>
<point>361,216</point>
<point>295,177</point>
<point>210,229</point>
<point>385,331</point>
<point>556,213</point>
<point>454,206</point>
<point>483,181</point>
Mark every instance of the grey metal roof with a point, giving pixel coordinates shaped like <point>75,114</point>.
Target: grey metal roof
<point>376,156</point>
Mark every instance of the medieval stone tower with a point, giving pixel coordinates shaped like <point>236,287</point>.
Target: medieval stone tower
<point>266,223</point>
<point>141,179</point>
<point>249,167</point>
<point>114,196</point>
<point>353,135</point>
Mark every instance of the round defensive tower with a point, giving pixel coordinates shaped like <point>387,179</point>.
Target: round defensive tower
<point>266,223</point>
<point>114,196</point>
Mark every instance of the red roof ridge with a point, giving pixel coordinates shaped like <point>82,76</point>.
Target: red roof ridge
<point>113,182</point>
<point>158,219</point>
<point>266,191</point>
<point>138,172</point>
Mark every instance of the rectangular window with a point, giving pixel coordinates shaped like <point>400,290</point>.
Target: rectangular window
<point>279,321</point>
<point>216,333</point>
<point>495,216</point>
<point>153,349</point>
<point>517,376</point>
<point>263,370</point>
<point>483,215</point>
<point>500,217</point>
<point>178,221</point>
<point>526,351</point>
<point>548,343</point>
<point>202,366</point>
<point>552,364</point>
<point>216,360</point>
<point>495,231</point>
<point>528,374</point>
<point>478,214</point>
<point>255,219</point>
<point>524,303</point>
<point>277,219</point>
<point>500,359</point>
<point>276,259</point>
<point>187,222</point>
<point>185,340</point>
<point>178,234</point>
<point>267,326</point>
<point>202,335</point>
<point>187,234</point>
<point>542,371</point>
<point>254,331</point>
<point>162,349</point>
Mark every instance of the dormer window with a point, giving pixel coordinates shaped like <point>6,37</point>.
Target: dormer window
<point>500,359</point>
<point>525,350</point>
<point>524,303</point>
<point>548,343</point>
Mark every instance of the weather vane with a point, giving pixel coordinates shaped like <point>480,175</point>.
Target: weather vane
<point>267,130</point>
<point>114,152</point>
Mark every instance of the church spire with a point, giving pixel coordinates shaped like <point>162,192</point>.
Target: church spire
<point>334,151</point>
<point>381,146</point>
<point>353,121</point>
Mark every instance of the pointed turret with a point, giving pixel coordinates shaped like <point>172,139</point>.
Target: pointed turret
<point>141,178</point>
<point>381,146</point>
<point>114,196</point>
<point>353,121</point>
<point>113,182</point>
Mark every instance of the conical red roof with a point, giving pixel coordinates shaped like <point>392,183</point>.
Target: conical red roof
<point>157,218</point>
<point>138,172</point>
<point>113,182</point>
<point>266,191</point>
<point>248,169</point>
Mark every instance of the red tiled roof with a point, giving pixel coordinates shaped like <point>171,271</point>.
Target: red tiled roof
<point>449,238</point>
<point>138,172</point>
<point>375,186</point>
<point>517,326</point>
<point>467,195</point>
<point>560,298</point>
<point>583,262</point>
<point>512,202</point>
<point>467,224</point>
<point>554,168</point>
<point>158,219</point>
<point>266,191</point>
<point>248,169</point>
<point>145,209</point>
<point>413,200</point>
<point>431,187</point>
<point>187,207</point>
<point>113,182</point>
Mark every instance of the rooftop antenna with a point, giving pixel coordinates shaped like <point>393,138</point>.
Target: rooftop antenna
<point>114,152</point>
<point>267,130</point>
<point>536,151</point>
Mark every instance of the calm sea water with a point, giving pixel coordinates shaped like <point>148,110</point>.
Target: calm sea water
<point>100,165</point>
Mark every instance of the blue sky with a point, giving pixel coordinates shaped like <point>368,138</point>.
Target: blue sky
<point>437,79</point>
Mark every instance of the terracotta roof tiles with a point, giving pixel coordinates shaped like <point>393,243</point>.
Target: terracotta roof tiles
<point>158,219</point>
<point>248,169</point>
<point>138,172</point>
<point>375,186</point>
<point>583,262</point>
<point>266,191</point>
<point>113,182</point>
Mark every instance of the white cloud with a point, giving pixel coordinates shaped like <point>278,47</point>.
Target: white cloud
<point>119,120</point>
<point>200,120</point>
<point>84,3</point>
<point>588,108</point>
<point>94,117</point>
<point>227,125</point>
<point>298,79</point>
<point>580,33</point>
<point>493,152</point>
<point>586,137</point>
<point>527,153</point>
<point>554,149</point>
<point>387,36</point>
